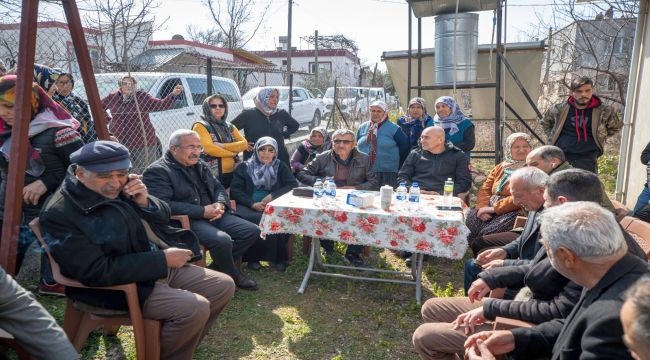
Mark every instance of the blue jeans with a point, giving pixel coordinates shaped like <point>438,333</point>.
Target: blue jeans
<point>642,200</point>
<point>472,269</point>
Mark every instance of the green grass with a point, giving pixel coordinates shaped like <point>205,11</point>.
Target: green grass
<point>333,319</point>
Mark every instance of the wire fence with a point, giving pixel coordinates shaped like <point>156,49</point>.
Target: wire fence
<point>154,88</point>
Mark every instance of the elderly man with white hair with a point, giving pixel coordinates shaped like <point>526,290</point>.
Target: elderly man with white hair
<point>586,245</point>
<point>382,139</point>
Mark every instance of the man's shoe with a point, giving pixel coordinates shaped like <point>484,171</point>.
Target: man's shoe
<point>245,282</point>
<point>354,259</point>
<point>55,289</point>
<point>281,266</point>
<point>254,265</point>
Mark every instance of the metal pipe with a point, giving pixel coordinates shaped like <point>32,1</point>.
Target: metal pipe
<point>497,90</point>
<point>13,205</point>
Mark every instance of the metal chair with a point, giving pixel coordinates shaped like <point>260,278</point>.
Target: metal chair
<point>81,319</point>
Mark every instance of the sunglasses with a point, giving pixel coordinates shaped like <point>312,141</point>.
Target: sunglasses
<point>217,106</point>
<point>343,141</point>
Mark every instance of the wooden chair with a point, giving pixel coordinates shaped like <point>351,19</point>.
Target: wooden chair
<point>81,319</point>
<point>640,231</point>
<point>503,323</point>
<point>8,340</point>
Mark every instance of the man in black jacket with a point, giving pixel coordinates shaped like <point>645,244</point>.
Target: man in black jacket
<point>434,163</point>
<point>103,228</point>
<point>185,182</point>
<point>585,244</point>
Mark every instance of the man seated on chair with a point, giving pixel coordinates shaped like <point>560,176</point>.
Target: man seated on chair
<point>103,228</point>
<point>185,182</point>
<point>30,324</point>
<point>350,169</point>
<point>434,163</point>
<point>552,295</point>
<point>585,244</point>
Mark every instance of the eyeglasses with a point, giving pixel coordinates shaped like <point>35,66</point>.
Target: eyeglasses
<point>217,106</point>
<point>191,147</point>
<point>345,142</point>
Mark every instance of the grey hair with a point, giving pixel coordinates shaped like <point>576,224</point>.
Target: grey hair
<point>584,227</point>
<point>639,296</point>
<point>175,137</point>
<point>549,152</point>
<point>338,132</point>
<point>532,177</point>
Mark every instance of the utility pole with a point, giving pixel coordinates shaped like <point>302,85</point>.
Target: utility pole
<point>288,80</point>
<point>316,67</point>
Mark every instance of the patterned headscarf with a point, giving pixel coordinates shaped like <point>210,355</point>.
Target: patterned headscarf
<point>223,128</point>
<point>261,101</point>
<point>510,164</point>
<point>264,176</point>
<point>453,119</point>
<point>45,76</point>
<point>45,114</point>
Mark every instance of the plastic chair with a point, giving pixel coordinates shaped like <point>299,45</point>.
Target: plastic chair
<point>8,340</point>
<point>640,231</point>
<point>81,319</point>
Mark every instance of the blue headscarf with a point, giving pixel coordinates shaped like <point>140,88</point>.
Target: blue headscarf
<point>451,121</point>
<point>264,176</point>
<point>261,101</point>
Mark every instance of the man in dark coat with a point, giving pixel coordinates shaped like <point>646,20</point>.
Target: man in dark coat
<point>585,244</point>
<point>97,226</point>
<point>350,169</point>
<point>434,163</point>
<point>186,183</point>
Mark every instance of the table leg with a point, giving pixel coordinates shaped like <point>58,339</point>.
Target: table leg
<point>313,254</point>
<point>418,277</point>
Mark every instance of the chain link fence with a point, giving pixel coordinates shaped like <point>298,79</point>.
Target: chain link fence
<point>157,87</point>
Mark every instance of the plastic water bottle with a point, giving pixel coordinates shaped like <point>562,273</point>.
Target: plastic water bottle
<point>318,192</point>
<point>401,197</point>
<point>330,192</point>
<point>448,192</point>
<point>414,196</point>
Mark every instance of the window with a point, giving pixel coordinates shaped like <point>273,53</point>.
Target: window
<point>167,88</point>
<point>325,65</point>
<point>622,45</point>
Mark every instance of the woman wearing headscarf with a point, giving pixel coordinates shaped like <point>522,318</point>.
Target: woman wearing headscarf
<point>255,183</point>
<point>52,138</point>
<point>458,128</point>
<point>309,148</point>
<point>495,209</point>
<point>221,140</point>
<point>416,120</point>
<point>266,119</point>
<point>75,105</point>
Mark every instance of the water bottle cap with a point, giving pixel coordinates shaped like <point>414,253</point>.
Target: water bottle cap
<point>415,184</point>
<point>319,179</point>
<point>402,184</point>
<point>449,179</point>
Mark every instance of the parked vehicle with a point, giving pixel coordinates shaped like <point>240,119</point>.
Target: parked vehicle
<point>307,109</point>
<point>352,99</point>
<point>185,110</point>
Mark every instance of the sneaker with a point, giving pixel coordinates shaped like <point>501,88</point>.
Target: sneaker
<point>245,282</point>
<point>55,289</point>
<point>409,261</point>
<point>354,259</point>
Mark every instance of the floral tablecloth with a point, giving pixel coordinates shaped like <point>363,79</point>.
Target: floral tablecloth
<point>427,230</point>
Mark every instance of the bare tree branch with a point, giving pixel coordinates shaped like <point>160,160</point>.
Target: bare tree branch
<point>235,18</point>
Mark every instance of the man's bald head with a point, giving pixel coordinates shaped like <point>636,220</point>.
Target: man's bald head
<point>433,139</point>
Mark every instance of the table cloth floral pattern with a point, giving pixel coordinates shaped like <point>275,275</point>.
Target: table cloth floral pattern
<point>427,230</point>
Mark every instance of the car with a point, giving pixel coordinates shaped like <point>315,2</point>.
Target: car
<point>306,108</point>
<point>186,110</point>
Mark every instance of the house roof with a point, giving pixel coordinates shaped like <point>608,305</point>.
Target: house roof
<point>267,54</point>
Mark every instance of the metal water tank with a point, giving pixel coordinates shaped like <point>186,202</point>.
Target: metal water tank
<point>459,32</point>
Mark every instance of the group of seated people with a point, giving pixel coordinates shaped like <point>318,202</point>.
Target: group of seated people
<point>573,290</point>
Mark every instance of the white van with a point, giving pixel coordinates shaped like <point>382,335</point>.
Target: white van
<point>186,109</point>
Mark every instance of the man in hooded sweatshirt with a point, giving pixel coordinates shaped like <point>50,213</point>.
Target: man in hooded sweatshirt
<point>581,125</point>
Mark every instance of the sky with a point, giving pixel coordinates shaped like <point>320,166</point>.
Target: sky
<point>375,25</point>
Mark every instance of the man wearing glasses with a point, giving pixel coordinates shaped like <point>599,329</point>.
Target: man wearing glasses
<point>186,183</point>
<point>350,169</point>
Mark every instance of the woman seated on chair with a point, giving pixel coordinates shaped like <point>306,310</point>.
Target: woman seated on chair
<point>495,209</point>
<point>308,149</point>
<point>255,183</point>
